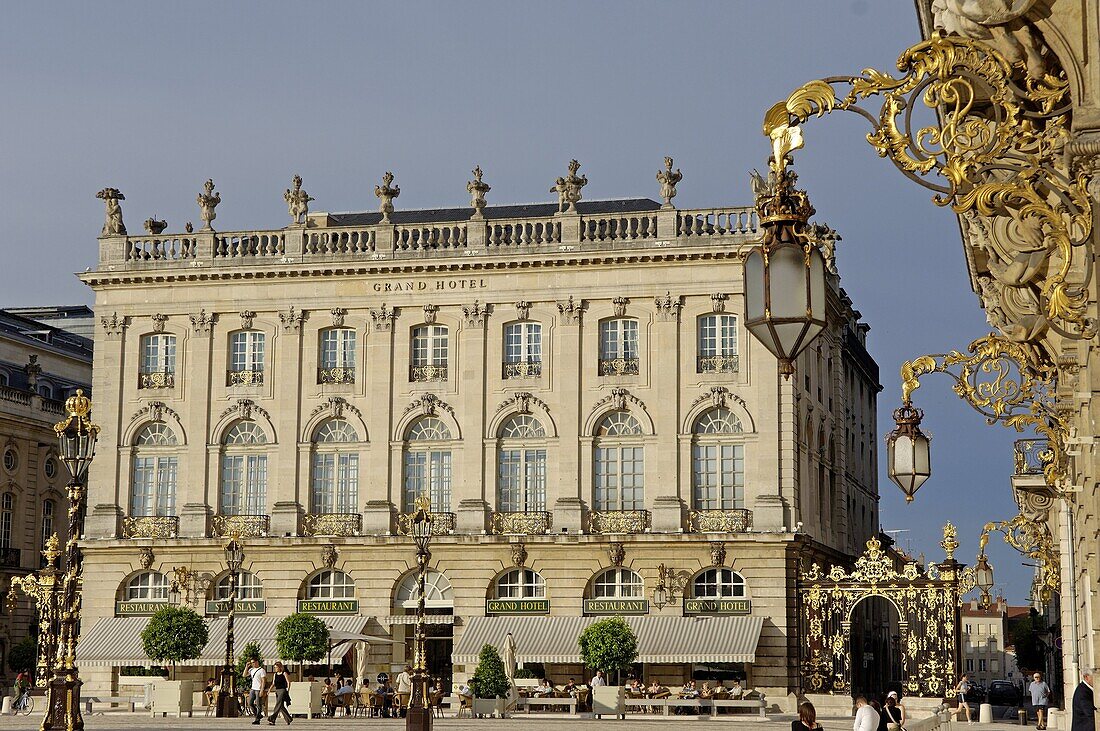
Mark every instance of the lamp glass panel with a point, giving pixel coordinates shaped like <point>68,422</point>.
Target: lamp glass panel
<point>753,274</point>
<point>817,285</point>
<point>787,290</point>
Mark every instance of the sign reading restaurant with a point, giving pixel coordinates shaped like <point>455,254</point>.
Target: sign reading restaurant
<point>138,609</point>
<point>243,606</point>
<point>329,606</point>
<point>717,606</point>
<point>517,606</point>
<point>616,606</point>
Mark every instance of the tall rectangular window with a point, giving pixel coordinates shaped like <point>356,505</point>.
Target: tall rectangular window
<point>246,358</point>
<point>522,350</point>
<point>428,472</point>
<point>337,361</point>
<point>719,472</point>
<point>620,478</point>
<point>428,359</point>
<point>717,344</point>
<point>158,361</point>
<point>619,347</point>
<point>7,516</point>
<point>153,492</point>
<point>522,480</point>
<point>335,483</point>
<point>244,484</point>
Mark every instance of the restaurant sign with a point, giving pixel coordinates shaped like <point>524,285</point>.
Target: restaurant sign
<point>243,606</point>
<point>138,609</point>
<point>717,606</point>
<point>517,606</point>
<point>329,606</point>
<point>616,606</point>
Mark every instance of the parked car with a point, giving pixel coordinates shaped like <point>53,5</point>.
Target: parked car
<point>976,693</point>
<point>1004,693</point>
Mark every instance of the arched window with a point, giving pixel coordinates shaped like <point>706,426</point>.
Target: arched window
<point>718,463</point>
<point>521,584</point>
<point>158,361</point>
<point>428,464</point>
<point>437,591</point>
<point>521,465</point>
<point>7,516</point>
<point>249,586</point>
<point>620,463</point>
<point>618,583</point>
<point>334,486</point>
<point>154,468</point>
<point>717,344</point>
<point>148,586</point>
<point>331,584</point>
<point>718,584</point>
<point>246,358</point>
<point>244,471</point>
<point>619,347</point>
<point>522,350</point>
<point>337,357</point>
<point>428,360</point>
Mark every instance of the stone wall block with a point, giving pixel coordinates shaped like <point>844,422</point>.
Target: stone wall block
<point>195,520</point>
<point>569,513</point>
<point>104,521</point>
<point>668,514</point>
<point>286,518</point>
<point>378,518</point>
<point>472,516</point>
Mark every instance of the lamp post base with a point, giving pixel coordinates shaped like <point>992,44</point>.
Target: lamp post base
<point>418,718</point>
<point>226,704</point>
<point>63,704</point>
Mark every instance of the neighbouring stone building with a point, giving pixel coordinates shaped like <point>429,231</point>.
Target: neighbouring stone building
<point>983,641</point>
<point>40,366</point>
<point>571,385</point>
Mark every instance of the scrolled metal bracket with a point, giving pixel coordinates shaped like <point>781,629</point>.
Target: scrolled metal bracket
<point>1033,539</point>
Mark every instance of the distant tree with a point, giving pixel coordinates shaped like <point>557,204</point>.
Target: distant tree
<point>174,634</point>
<point>1030,649</point>
<point>23,656</point>
<point>300,637</point>
<point>608,645</point>
<point>490,680</point>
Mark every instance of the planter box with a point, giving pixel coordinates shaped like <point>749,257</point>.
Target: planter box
<point>609,700</point>
<point>173,696</point>
<point>486,707</point>
<point>305,699</point>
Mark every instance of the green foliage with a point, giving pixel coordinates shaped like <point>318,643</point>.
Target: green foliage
<point>141,671</point>
<point>174,634</point>
<point>526,673</point>
<point>23,655</point>
<point>1030,650</point>
<point>608,645</point>
<point>489,680</point>
<point>250,652</point>
<point>301,637</point>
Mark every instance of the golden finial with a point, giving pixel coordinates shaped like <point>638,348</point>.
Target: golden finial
<point>950,541</point>
<point>52,549</point>
<point>423,503</point>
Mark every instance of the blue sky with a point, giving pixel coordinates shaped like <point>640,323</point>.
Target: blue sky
<point>153,98</point>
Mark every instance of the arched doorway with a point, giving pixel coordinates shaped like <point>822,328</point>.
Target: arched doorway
<point>438,611</point>
<point>874,640</point>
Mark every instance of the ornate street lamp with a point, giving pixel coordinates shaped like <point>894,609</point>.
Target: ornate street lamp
<point>983,570</point>
<point>43,588</point>
<point>908,453</point>
<point>227,706</point>
<point>661,595</point>
<point>419,716</point>
<point>76,437</point>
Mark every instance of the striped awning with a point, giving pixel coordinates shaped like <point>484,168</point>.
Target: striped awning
<point>660,639</point>
<point>116,641</point>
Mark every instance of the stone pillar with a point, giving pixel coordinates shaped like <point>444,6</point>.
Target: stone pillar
<point>204,247</point>
<point>382,486</point>
<point>282,484</point>
<point>570,228</point>
<point>195,374</point>
<point>664,494</point>
<point>668,514</point>
<point>474,496</point>
<point>472,516</point>
<point>195,520</point>
<point>378,517</point>
<point>286,518</point>
<point>294,242</point>
<point>666,223</point>
<point>104,521</point>
<point>568,377</point>
<point>108,474</point>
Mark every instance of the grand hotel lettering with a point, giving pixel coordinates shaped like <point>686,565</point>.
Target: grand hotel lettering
<point>430,285</point>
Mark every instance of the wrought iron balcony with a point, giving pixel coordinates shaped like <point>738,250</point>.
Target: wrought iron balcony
<point>717,363</point>
<point>332,524</point>
<point>335,375</point>
<point>443,524</point>
<point>1031,456</point>
<point>151,526</point>
<point>10,558</point>
<point>244,378</point>
<point>535,523</point>
<point>522,369</point>
<point>619,366</point>
<point>426,373</point>
<point>157,379</point>
<point>720,521</point>
<point>618,521</point>
<point>242,526</point>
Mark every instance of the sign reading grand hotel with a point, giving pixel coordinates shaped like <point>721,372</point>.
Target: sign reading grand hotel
<point>243,606</point>
<point>616,606</point>
<point>429,285</point>
<point>717,606</point>
<point>517,606</point>
<point>138,609</point>
<point>328,606</point>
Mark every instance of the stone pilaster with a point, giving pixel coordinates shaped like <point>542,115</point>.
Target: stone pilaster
<point>472,516</point>
<point>662,468</point>
<point>471,375</point>
<point>286,518</point>
<point>381,483</point>
<point>282,484</point>
<point>568,378</point>
<point>195,520</point>
<point>378,518</point>
<point>104,520</point>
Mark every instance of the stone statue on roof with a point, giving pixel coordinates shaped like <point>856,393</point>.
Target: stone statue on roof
<point>113,225</point>
<point>208,200</point>
<point>297,201</point>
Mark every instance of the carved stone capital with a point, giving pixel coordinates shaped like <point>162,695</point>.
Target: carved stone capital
<point>668,307</point>
<point>430,312</point>
<point>338,315</point>
<point>292,319</point>
<point>114,326</point>
<point>571,311</point>
<point>383,317</point>
<point>475,314</point>
<point>202,323</point>
<point>523,309</point>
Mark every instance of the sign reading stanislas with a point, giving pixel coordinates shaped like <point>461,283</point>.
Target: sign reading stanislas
<point>243,606</point>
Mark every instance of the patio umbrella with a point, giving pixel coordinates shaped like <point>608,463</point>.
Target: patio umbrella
<point>361,656</point>
<point>510,658</point>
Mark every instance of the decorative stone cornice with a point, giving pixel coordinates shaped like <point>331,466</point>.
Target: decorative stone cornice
<point>202,323</point>
<point>292,319</point>
<point>429,405</point>
<point>245,409</point>
<point>571,311</point>
<point>523,309</point>
<point>158,322</point>
<point>338,315</point>
<point>668,307</point>
<point>113,325</point>
<point>521,402</point>
<point>475,314</point>
<point>383,317</point>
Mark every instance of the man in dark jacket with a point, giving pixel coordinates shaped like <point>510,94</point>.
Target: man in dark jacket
<point>1083,708</point>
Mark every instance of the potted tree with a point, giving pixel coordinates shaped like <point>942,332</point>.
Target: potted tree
<point>608,645</point>
<point>300,637</point>
<point>174,634</point>
<point>490,683</point>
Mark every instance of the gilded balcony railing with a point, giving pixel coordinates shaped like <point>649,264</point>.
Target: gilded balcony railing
<point>335,375</point>
<point>244,378</point>
<point>717,363</point>
<point>443,524</point>
<point>522,369</point>
<point>619,521</point>
<point>150,526</point>
<point>242,526</point>
<point>619,366</point>
<point>426,373</point>
<point>720,521</point>
<point>535,523</point>
<point>157,379</point>
<point>332,524</point>
<point>1031,456</point>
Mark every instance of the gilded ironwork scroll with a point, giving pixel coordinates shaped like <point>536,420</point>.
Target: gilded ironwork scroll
<point>928,608</point>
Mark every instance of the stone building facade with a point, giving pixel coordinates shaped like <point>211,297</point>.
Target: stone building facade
<point>572,387</point>
<point>40,366</point>
<point>984,641</point>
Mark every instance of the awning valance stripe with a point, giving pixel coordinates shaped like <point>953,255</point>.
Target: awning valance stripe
<point>411,619</point>
<point>660,639</point>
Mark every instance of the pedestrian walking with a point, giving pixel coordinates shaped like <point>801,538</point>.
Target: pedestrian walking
<point>961,690</point>
<point>807,718</point>
<point>280,684</point>
<point>257,689</point>
<point>1040,699</point>
<point>866,716</point>
<point>1084,712</point>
